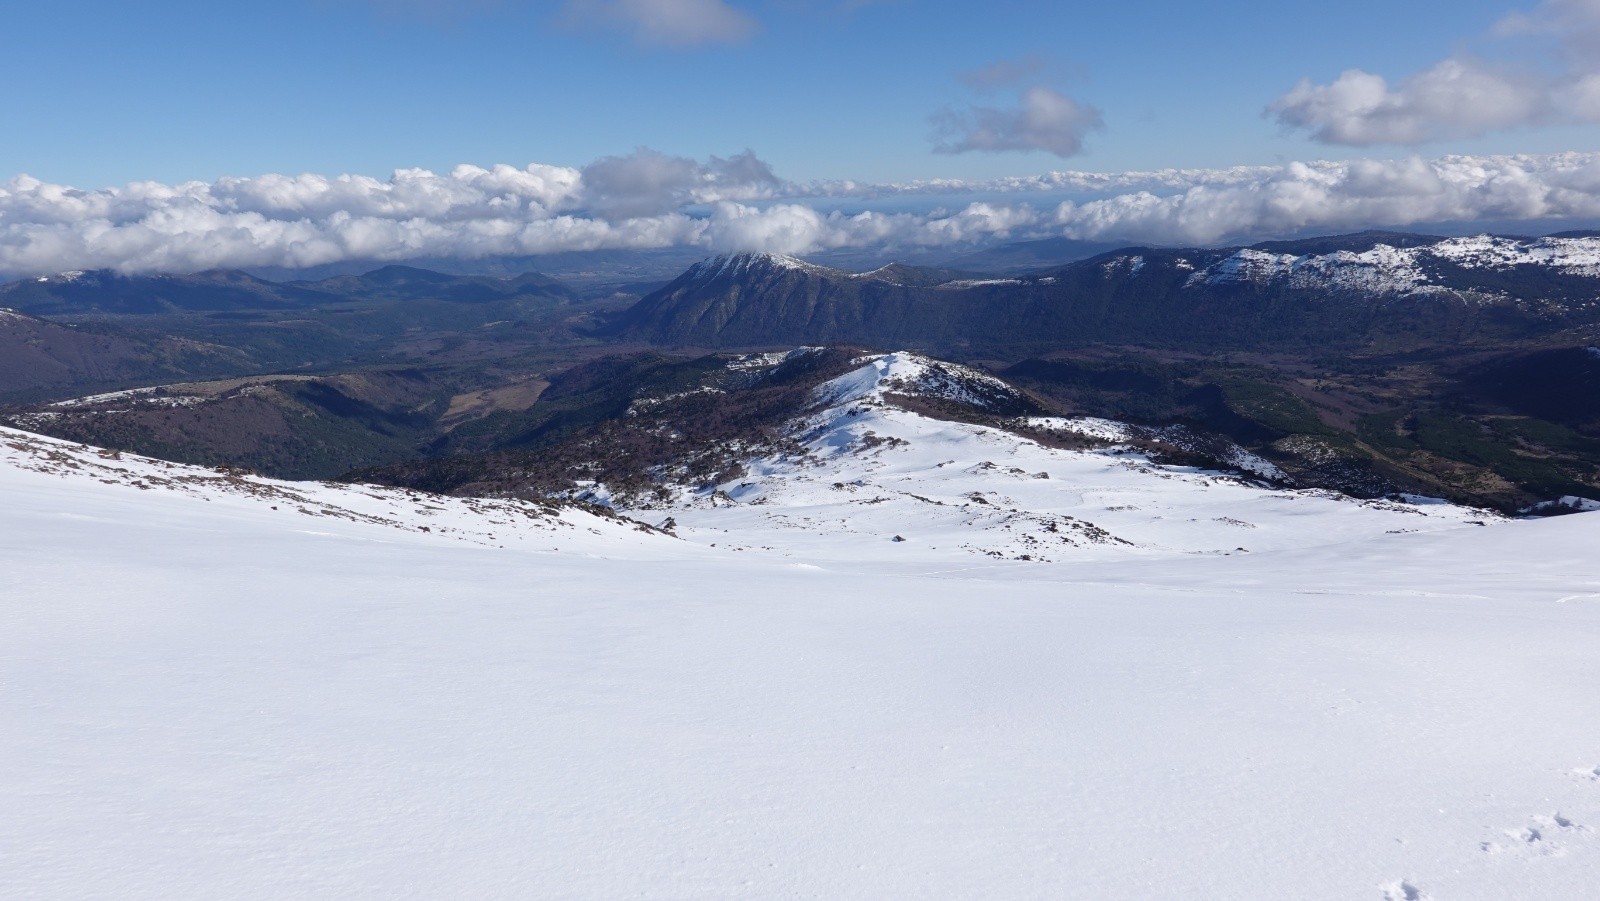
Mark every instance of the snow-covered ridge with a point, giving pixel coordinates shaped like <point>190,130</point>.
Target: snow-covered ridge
<point>116,402</point>
<point>133,400</point>
<point>1123,265</point>
<point>1225,452</point>
<point>1381,270</point>
<point>130,394</point>
<point>643,404</point>
<point>880,274</point>
<point>181,394</point>
<point>880,271</point>
<point>885,274</point>
<point>771,359</point>
<point>865,469</point>
<point>1575,256</point>
<point>909,373</point>
<point>740,263</point>
<point>980,282</point>
<point>1085,426</point>
<point>744,263</point>
<point>1390,270</point>
<point>1567,503</point>
<point>314,505</point>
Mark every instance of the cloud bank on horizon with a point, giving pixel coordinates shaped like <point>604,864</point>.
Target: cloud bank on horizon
<point>649,200</point>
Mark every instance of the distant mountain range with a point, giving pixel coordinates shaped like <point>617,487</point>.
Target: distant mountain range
<point>1456,367</point>
<point>105,291</point>
<point>1374,288</point>
<point>1023,257</point>
<point>39,356</point>
<point>1512,431</point>
<point>94,331</point>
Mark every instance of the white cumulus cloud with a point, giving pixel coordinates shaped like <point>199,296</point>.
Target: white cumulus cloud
<point>650,200</point>
<point>1456,98</point>
<point>1334,196</point>
<point>1462,96</point>
<point>647,182</point>
<point>1043,119</point>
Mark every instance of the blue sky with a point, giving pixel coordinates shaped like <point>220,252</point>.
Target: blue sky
<point>113,92</point>
<point>115,107</point>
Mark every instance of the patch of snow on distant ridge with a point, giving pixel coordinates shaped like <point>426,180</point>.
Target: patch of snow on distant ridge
<point>1248,462</point>
<point>1120,432</point>
<point>981,282</point>
<point>1572,256</point>
<point>92,399</point>
<point>775,358</point>
<point>1087,426</point>
<point>880,274</point>
<point>139,397</point>
<point>1570,503</point>
<point>1382,270</point>
<point>1390,270</point>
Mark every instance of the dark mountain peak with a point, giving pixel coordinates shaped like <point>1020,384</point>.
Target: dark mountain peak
<point>396,274</point>
<point>767,266</point>
<point>1290,292</point>
<point>401,282</point>
<point>56,280</point>
<point>109,291</point>
<point>390,276</point>
<point>755,264</point>
<point>236,279</point>
<point>535,280</point>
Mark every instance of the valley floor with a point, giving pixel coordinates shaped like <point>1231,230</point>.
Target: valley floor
<point>210,691</point>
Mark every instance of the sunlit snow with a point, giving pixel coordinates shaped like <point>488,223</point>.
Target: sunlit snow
<point>1389,270</point>
<point>215,685</point>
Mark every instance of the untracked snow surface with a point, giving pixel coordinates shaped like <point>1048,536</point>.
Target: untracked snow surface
<point>207,697</point>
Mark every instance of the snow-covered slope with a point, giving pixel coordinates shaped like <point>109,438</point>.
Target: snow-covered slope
<point>145,487</point>
<point>205,697</point>
<point>1385,269</point>
<point>874,472</point>
<point>1381,270</point>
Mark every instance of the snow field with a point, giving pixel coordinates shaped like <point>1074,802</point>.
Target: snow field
<point>205,696</point>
